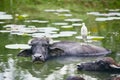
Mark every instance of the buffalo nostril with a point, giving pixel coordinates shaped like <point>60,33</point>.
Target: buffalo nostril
<point>38,57</point>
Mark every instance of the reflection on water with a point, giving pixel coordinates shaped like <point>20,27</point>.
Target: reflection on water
<point>15,69</point>
<point>9,72</point>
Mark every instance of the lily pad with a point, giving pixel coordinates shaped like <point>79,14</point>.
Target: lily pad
<point>66,35</point>
<point>73,20</point>
<point>47,29</point>
<point>17,46</point>
<point>45,34</point>
<point>49,10</point>
<point>60,23</point>
<point>98,14</point>
<point>60,35</point>
<point>62,10</point>
<point>57,10</point>
<point>29,30</point>
<point>68,32</point>
<point>67,26</point>
<point>55,35</point>
<point>91,37</point>
<point>4,31</point>
<point>5,17</point>
<point>113,9</point>
<point>107,19</point>
<point>100,19</point>
<point>38,34</point>
<point>37,21</point>
<point>76,24</point>
<point>104,14</point>
<point>14,26</point>
<point>113,18</point>
<point>93,13</point>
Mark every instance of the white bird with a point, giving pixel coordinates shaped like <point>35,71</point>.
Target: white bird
<point>84,32</point>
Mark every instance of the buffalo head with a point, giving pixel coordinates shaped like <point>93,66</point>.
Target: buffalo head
<point>39,49</point>
<point>106,64</point>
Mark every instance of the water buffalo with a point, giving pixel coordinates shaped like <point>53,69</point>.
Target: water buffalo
<point>41,49</point>
<point>106,64</point>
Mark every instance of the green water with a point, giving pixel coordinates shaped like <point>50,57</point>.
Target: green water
<point>17,68</point>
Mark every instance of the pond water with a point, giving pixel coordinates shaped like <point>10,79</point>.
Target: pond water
<point>19,32</point>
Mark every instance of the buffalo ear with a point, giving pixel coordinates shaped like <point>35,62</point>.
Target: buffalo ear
<point>56,52</point>
<point>25,53</point>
